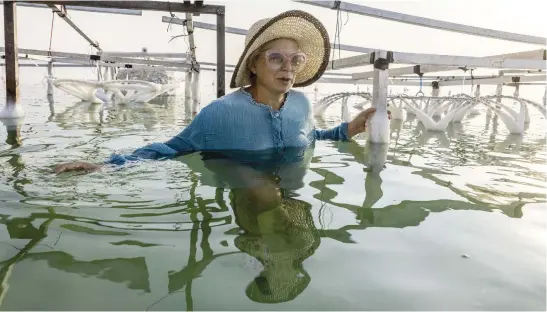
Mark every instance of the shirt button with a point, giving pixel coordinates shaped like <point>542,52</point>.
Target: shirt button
<point>276,114</point>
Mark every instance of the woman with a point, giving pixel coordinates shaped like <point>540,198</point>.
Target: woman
<point>289,50</point>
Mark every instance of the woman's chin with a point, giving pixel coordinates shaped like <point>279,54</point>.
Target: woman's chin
<point>283,88</point>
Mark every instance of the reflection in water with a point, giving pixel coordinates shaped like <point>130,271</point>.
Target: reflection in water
<point>13,130</point>
<point>212,206</point>
<point>280,238</point>
<point>131,272</point>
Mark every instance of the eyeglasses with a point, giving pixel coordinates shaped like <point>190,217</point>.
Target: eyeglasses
<point>276,59</point>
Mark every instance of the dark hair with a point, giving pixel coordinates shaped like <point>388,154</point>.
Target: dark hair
<point>250,61</point>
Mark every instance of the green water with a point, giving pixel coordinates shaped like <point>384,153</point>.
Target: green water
<point>454,222</point>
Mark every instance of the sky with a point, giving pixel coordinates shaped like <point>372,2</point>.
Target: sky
<point>130,33</point>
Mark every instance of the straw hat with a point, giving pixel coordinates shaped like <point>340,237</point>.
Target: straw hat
<point>306,30</point>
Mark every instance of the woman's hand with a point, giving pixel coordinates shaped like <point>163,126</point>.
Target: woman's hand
<point>76,166</point>
<point>359,123</point>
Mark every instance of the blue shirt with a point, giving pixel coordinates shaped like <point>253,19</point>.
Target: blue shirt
<point>236,122</point>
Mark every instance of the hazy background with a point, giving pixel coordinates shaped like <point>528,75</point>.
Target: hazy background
<point>116,32</point>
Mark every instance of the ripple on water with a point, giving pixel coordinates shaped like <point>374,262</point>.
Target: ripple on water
<point>159,234</point>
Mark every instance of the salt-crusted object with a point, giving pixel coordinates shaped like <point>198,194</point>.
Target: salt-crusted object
<point>118,91</point>
<point>153,75</point>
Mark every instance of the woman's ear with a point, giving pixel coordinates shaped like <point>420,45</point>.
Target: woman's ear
<point>252,68</point>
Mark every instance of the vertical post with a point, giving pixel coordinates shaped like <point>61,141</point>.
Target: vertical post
<point>545,97</point>
<point>188,85</point>
<point>50,75</point>
<point>435,90</point>
<point>12,108</point>
<point>345,115</point>
<point>193,84</point>
<point>478,91</point>
<point>499,93</point>
<point>379,122</point>
<point>221,54</point>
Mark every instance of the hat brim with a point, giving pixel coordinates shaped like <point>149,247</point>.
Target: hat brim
<point>310,35</point>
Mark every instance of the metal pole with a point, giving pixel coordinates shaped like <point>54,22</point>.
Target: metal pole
<point>76,28</point>
<point>12,62</point>
<point>221,47</point>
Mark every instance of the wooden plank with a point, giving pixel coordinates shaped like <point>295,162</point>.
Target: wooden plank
<point>165,6</point>
<point>11,54</point>
<point>427,22</point>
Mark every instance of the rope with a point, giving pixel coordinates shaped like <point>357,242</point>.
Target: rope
<point>51,33</point>
<point>338,29</point>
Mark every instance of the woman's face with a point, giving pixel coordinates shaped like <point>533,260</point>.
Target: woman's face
<point>277,65</point>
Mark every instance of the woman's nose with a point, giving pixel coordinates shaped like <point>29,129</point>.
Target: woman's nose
<point>287,66</point>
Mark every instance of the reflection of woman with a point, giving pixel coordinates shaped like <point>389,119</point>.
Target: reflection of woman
<point>289,50</point>
<point>279,232</point>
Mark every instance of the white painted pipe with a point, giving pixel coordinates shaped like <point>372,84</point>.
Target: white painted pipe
<point>50,74</point>
<point>188,85</point>
<point>516,93</point>
<point>346,117</point>
<point>378,128</point>
<point>195,92</point>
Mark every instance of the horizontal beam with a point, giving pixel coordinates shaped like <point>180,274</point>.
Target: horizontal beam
<point>45,65</point>
<point>392,82</point>
<point>456,61</point>
<point>533,55</point>
<point>405,71</point>
<point>90,57</point>
<point>165,6</point>
<point>494,81</point>
<point>180,67</point>
<point>521,71</point>
<point>144,54</point>
<point>53,53</point>
<point>352,61</point>
<point>85,9</point>
<point>243,32</point>
<point>427,22</point>
<point>106,55</point>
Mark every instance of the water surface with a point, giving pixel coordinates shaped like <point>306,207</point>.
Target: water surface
<point>453,221</point>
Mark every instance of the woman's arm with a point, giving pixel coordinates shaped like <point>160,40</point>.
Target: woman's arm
<point>191,139</point>
<point>339,133</point>
<point>346,130</point>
